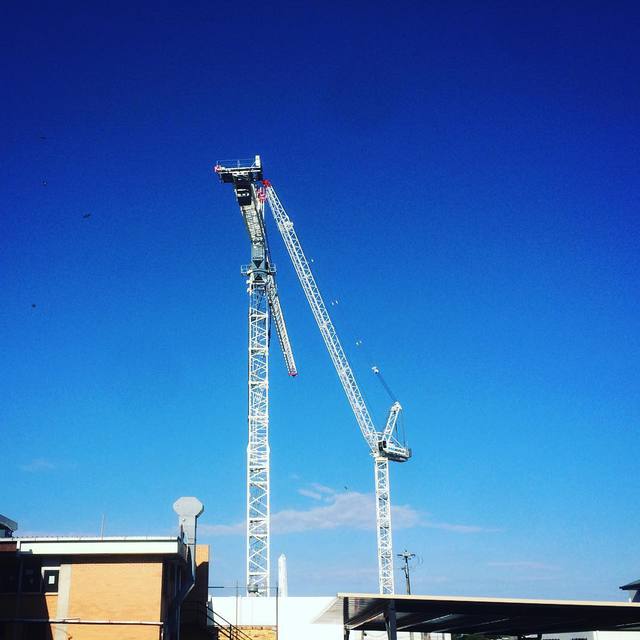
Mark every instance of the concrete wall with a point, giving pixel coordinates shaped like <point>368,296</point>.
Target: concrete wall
<point>295,615</point>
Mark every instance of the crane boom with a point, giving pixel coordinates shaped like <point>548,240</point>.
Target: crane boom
<point>383,445</point>
<point>319,309</point>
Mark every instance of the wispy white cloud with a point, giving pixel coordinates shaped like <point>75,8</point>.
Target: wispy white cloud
<point>459,528</point>
<point>430,579</point>
<point>320,488</point>
<point>346,510</point>
<point>222,529</point>
<point>343,573</point>
<point>37,464</point>
<point>308,493</point>
<point>522,564</point>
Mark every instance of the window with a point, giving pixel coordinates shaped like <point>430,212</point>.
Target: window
<point>31,577</point>
<point>50,580</point>
<point>9,576</point>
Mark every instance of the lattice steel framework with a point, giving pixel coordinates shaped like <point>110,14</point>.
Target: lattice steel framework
<point>258,556</point>
<point>383,528</point>
<point>264,304</point>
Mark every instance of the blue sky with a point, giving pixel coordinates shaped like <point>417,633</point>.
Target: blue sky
<point>465,179</point>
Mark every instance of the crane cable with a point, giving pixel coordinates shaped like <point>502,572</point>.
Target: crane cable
<point>383,382</point>
<point>364,349</point>
<point>399,427</point>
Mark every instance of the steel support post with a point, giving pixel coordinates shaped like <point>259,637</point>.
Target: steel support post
<point>390,621</point>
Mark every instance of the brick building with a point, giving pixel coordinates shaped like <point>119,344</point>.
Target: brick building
<point>112,588</point>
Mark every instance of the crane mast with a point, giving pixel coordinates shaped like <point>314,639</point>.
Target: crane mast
<point>264,304</point>
<point>383,445</point>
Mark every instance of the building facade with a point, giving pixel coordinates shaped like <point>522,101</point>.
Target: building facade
<point>113,588</point>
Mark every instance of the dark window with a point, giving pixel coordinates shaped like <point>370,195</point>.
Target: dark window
<point>31,578</point>
<point>50,580</point>
<point>9,577</point>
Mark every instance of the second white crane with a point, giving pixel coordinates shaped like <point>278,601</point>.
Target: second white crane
<point>383,445</point>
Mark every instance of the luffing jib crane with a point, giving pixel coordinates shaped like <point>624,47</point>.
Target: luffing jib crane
<point>263,302</point>
<point>383,445</point>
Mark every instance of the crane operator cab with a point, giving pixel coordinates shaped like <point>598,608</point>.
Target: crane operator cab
<point>393,451</point>
<point>389,446</point>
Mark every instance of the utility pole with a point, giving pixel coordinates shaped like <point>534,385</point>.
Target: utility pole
<point>406,556</point>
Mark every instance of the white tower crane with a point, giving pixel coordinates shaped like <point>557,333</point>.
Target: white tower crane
<point>383,445</point>
<point>263,300</point>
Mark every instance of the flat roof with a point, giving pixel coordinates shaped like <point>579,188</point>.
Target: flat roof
<point>89,538</point>
<point>111,545</point>
<point>488,616</point>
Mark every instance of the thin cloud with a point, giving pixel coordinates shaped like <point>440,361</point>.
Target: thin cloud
<point>522,564</point>
<point>222,529</point>
<point>348,510</point>
<point>427,580</point>
<point>345,511</point>
<point>320,488</point>
<point>36,465</point>
<point>343,573</point>
<point>308,493</point>
<point>459,528</point>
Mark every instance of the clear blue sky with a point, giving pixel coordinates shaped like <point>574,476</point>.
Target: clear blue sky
<point>465,179</point>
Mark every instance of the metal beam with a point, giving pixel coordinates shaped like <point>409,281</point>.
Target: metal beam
<point>366,616</point>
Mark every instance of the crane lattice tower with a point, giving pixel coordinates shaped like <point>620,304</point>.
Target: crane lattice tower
<point>264,305</point>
